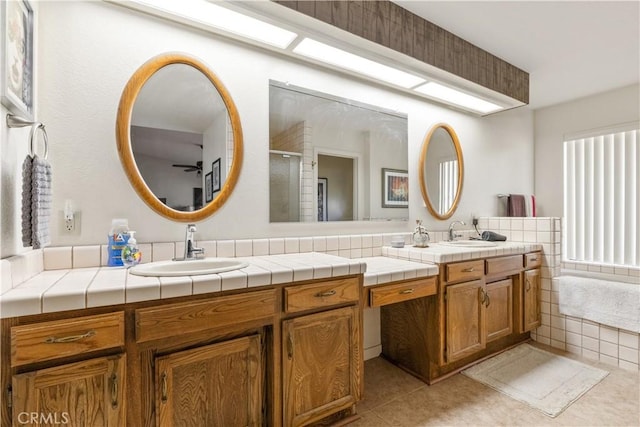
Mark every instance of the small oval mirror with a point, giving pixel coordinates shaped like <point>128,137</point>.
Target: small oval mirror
<point>179,137</point>
<point>441,171</point>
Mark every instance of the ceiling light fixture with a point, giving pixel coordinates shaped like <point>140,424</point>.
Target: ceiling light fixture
<point>209,14</point>
<point>340,58</point>
<point>461,99</point>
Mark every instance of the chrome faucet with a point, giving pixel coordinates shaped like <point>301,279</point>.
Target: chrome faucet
<point>190,251</point>
<point>452,234</point>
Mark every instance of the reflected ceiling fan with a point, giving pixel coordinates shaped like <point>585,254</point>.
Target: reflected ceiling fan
<point>190,168</point>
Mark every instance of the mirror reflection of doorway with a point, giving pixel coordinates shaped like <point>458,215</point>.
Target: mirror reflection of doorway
<point>341,197</point>
<point>284,186</point>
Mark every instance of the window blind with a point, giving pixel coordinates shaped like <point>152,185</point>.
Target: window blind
<point>601,201</point>
<point>448,184</point>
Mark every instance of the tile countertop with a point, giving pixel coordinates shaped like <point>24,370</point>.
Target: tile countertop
<point>71,289</point>
<point>441,253</point>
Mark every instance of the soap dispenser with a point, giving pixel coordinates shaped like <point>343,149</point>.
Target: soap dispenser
<point>420,236</point>
<point>131,254</point>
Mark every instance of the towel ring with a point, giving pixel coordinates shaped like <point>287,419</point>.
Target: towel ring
<point>14,121</point>
<point>34,131</point>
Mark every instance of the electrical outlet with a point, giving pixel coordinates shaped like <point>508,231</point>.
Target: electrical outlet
<point>69,226</point>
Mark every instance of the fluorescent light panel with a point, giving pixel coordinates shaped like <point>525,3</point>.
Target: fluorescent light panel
<point>228,20</point>
<point>340,58</point>
<point>456,97</point>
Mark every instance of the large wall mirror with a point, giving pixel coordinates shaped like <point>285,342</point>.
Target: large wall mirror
<point>335,159</point>
<point>179,137</point>
<point>441,171</point>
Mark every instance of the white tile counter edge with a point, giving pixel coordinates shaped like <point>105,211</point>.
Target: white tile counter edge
<point>79,288</point>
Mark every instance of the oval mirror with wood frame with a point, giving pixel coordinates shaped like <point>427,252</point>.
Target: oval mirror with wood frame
<point>441,171</point>
<point>179,137</point>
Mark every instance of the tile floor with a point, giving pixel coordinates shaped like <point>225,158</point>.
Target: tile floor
<point>395,398</point>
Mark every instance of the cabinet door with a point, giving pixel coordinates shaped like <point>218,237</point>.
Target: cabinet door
<point>531,299</point>
<point>87,393</point>
<point>322,364</point>
<point>499,304</point>
<point>213,385</point>
<point>465,324</point>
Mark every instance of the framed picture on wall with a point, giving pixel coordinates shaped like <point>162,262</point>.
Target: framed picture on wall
<point>208,187</point>
<point>215,169</point>
<point>323,212</point>
<point>395,188</point>
<point>16,75</point>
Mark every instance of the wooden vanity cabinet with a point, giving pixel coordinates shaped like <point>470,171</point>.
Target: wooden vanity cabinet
<point>64,371</point>
<point>476,312</point>
<point>322,355</point>
<point>466,328</point>
<point>87,393</point>
<point>531,292</point>
<point>214,385</point>
<point>282,355</point>
<point>499,308</point>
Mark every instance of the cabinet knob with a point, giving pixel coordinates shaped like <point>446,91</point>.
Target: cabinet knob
<point>163,387</point>
<point>114,391</point>
<point>290,346</point>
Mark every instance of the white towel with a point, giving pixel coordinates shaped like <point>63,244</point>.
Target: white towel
<point>27,165</point>
<point>611,303</point>
<point>41,201</point>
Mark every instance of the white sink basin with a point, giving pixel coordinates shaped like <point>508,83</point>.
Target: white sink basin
<point>187,268</point>
<point>470,243</point>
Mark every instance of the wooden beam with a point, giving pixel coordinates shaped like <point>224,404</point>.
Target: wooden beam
<point>389,25</point>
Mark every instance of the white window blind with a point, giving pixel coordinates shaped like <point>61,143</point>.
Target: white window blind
<point>601,201</point>
<point>448,184</point>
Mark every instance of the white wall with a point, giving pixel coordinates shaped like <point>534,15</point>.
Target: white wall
<point>87,52</point>
<point>552,123</point>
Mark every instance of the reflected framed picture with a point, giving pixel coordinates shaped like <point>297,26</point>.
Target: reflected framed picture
<point>208,187</point>
<point>16,75</point>
<point>215,169</point>
<point>395,188</point>
<point>323,212</point>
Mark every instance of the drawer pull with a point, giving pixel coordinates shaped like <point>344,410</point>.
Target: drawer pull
<point>163,386</point>
<point>114,391</point>
<point>326,294</point>
<point>71,338</point>
<point>468,270</point>
<point>406,291</point>
<point>533,259</point>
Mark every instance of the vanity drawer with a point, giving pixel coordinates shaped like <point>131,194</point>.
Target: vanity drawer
<point>196,316</point>
<point>390,294</point>
<point>504,264</point>
<point>332,292</point>
<point>69,337</point>
<point>463,271</point>
<point>532,260</point>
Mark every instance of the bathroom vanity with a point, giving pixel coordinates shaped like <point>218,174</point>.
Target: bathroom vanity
<point>283,337</point>
<point>483,305</point>
<point>282,354</point>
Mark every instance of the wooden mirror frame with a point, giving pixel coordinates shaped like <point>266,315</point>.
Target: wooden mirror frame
<point>125,151</point>
<point>421,171</point>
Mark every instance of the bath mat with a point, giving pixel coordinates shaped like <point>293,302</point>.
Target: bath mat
<point>542,380</point>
